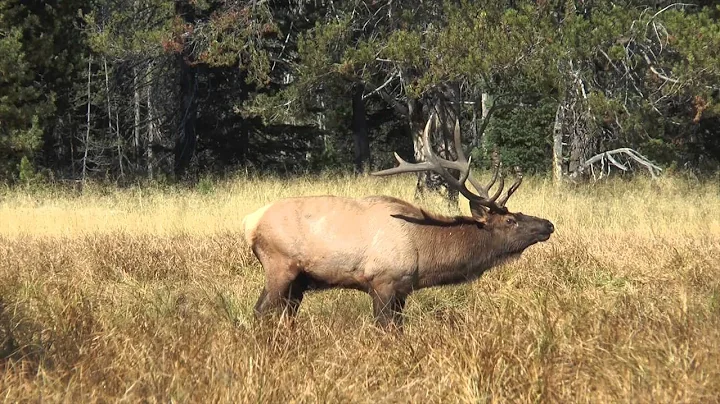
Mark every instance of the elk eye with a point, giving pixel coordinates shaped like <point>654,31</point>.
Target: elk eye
<point>510,221</point>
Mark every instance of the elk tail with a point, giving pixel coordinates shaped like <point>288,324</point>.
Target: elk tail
<point>250,224</point>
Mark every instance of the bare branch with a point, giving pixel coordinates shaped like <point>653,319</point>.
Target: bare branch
<point>609,158</point>
<point>671,6</point>
<point>390,79</point>
<point>658,73</point>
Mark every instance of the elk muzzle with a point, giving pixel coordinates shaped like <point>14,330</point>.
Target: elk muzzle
<point>546,229</point>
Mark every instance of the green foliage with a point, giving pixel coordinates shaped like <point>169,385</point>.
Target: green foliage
<point>523,137</point>
<point>276,79</point>
<point>22,102</point>
<point>27,173</point>
<point>205,185</point>
<point>236,37</point>
<point>120,31</point>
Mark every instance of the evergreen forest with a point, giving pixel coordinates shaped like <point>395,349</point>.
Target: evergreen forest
<point>134,90</point>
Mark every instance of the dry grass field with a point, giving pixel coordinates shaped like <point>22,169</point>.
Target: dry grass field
<point>146,295</point>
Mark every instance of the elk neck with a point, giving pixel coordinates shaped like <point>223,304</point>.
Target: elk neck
<point>456,251</point>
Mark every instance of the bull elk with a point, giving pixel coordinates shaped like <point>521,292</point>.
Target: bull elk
<point>384,246</point>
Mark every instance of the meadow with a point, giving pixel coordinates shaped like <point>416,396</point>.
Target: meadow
<point>146,294</point>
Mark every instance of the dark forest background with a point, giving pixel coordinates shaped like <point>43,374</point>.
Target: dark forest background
<point>130,90</point>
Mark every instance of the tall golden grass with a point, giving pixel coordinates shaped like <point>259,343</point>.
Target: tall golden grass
<point>146,295</point>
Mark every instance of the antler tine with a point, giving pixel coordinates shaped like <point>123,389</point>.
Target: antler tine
<point>404,167</point>
<point>427,147</point>
<point>497,163</point>
<point>500,187</point>
<point>440,164</point>
<point>458,141</point>
<point>482,191</point>
<point>512,188</point>
<point>432,163</point>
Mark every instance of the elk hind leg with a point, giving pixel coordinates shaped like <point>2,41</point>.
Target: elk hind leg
<point>387,309</point>
<point>261,304</point>
<point>295,294</point>
<point>283,292</point>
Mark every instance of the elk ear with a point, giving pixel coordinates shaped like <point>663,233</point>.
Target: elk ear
<point>479,213</point>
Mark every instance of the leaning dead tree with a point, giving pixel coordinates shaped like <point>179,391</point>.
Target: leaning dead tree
<point>599,165</point>
<point>624,75</point>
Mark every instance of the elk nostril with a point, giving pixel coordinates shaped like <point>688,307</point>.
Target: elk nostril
<point>550,227</point>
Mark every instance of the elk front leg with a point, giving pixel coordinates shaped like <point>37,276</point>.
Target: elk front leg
<point>387,308</point>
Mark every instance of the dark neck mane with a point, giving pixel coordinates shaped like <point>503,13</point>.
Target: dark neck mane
<point>426,218</point>
<point>452,249</point>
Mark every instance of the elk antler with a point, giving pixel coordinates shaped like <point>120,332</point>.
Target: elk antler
<point>462,164</point>
<point>512,188</point>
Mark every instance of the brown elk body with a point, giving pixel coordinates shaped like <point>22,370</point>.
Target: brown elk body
<point>382,245</point>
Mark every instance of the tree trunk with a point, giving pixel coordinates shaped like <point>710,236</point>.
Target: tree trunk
<point>151,125</point>
<point>121,156</point>
<point>244,143</point>
<point>475,141</point>
<point>321,123</point>
<point>87,131</point>
<point>110,125</point>
<point>417,125</point>
<point>486,105</point>
<point>136,108</point>
<point>186,139</point>
<point>575,125</point>
<point>447,108</point>
<point>557,144</point>
<point>447,114</point>
<point>579,142</point>
<point>360,131</point>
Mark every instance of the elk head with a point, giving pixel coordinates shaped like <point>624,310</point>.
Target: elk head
<point>516,231</point>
